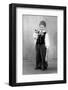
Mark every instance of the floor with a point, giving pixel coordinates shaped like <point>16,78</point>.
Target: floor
<point>29,67</point>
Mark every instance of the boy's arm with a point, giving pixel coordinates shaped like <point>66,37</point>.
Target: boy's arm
<point>35,36</point>
<point>47,41</point>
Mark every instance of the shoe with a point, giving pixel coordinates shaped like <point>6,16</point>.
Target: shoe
<point>44,68</point>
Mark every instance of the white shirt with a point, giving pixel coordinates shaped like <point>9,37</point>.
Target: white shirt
<point>35,36</point>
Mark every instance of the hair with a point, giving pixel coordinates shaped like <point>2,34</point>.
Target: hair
<point>42,23</point>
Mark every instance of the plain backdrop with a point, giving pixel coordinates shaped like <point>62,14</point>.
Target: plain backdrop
<point>30,23</point>
<point>4,44</point>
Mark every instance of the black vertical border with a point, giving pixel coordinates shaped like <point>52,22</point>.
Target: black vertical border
<point>64,43</point>
<point>12,45</point>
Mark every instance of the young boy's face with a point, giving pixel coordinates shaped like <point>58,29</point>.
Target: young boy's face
<point>42,28</point>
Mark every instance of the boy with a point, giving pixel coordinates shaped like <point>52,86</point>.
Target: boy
<point>42,44</point>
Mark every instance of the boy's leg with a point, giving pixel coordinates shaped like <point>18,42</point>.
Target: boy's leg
<point>43,55</point>
<point>39,59</point>
<point>37,56</point>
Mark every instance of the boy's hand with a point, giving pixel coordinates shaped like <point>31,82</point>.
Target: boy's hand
<point>36,31</point>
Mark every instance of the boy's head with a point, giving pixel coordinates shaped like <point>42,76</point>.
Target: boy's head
<point>42,25</point>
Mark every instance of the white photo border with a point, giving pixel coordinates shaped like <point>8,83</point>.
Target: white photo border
<point>20,78</point>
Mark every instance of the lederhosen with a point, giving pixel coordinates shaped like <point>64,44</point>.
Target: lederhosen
<point>40,51</point>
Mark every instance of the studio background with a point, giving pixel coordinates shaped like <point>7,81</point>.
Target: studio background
<point>30,23</point>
